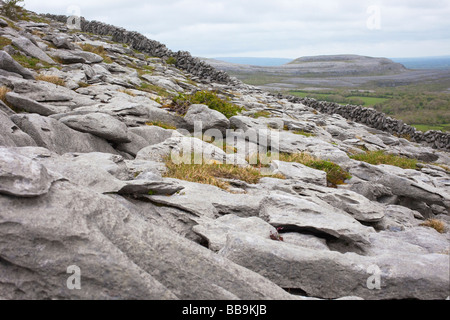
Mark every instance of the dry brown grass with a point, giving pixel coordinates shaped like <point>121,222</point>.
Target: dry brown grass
<point>212,173</point>
<point>52,79</point>
<point>3,91</point>
<point>436,224</point>
<point>128,92</point>
<point>100,50</point>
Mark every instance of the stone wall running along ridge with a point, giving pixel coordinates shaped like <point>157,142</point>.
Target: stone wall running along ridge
<point>137,41</point>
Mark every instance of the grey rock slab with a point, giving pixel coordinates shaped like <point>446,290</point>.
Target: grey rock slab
<point>401,183</point>
<point>7,63</point>
<point>11,135</point>
<point>5,109</point>
<point>419,240</point>
<point>187,269</point>
<point>62,42</point>
<point>206,118</point>
<point>163,82</point>
<point>306,216</point>
<point>359,207</point>
<point>216,231</point>
<point>50,93</point>
<point>305,240</point>
<point>210,201</point>
<point>99,174</point>
<point>56,136</point>
<point>398,218</point>
<point>89,57</point>
<point>42,237</point>
<point>166,117</point>
<point>149,187</point>
<point>299,172</point>
<point>120,254</point>
<point>67,57</point>
<point>331,275</point>
<point>181,149</point>
<point>22,103</point>
<point>137,144</point>
<point>111,163</point>
<point>22,177</point>
<point>31,49</point>
<point>142,137</point>
<point>100,125</point>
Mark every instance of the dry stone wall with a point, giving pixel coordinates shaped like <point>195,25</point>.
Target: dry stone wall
<point>137,41</point>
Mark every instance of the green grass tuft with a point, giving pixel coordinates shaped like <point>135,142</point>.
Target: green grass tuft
<point>380,157</point>
<point>211,99</point>
<point>335,174</point>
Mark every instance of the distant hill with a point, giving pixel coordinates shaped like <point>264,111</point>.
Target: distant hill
<point>335,65</point>
<point>330,71</point>
<point>255,61</point>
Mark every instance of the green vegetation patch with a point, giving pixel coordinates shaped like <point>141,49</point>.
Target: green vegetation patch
<point>147,87</point>
<point>4,42</point>
<point>380,157</point>
<point>171,60</point>
<point>261,114</point>
<point>211,99</point>
<point>335,174</point>
<point>161,124</point>
<point>31,62</point>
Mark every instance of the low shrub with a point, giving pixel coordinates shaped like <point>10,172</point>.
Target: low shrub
<point>335,174</point>
<point>211,99</point>
<point>171,60</point>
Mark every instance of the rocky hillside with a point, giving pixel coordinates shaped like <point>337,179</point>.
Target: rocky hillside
<point>89,122</point>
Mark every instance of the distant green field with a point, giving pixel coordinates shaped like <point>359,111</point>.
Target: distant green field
<point>370,101</point>
<point>332,97</point>
<point>425,127</point>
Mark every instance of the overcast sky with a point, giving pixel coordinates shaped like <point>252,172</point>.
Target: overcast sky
<point>276,28</point>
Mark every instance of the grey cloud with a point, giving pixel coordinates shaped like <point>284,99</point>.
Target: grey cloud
<point>235,27</point>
